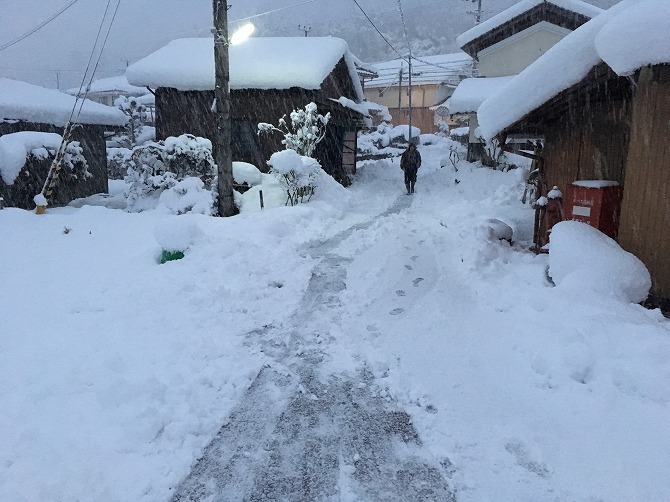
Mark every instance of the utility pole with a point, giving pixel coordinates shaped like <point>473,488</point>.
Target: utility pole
<point>409,88</point>
<point>304,28</point>
<point>58,79</point>
<point>400,91</point>
<point>478,17</point>
<point>222,153</point>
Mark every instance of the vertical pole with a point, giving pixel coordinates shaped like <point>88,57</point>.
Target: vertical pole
<point>57,80</point>
<point>410,95</point>
<point>400,93</point>
<point>222,153</point>
<point>479,11</point>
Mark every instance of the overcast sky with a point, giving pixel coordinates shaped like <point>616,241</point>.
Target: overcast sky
<point>61,49</point>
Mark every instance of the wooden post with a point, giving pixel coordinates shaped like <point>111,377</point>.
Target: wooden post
<point>222,153</point>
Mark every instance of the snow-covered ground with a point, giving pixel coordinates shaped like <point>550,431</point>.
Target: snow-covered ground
<point>116,371</point>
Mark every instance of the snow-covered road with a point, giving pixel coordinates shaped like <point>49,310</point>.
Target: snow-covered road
<point>366,346</point>
<point>301,433</point>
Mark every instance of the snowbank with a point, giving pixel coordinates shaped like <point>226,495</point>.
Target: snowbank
<point>23,101</point>
<point>583,259</point>
<point>636,37</point>
<point>15,147</point>
<point>402,131</point>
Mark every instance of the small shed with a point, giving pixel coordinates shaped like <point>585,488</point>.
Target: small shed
<point>107,90</point>
<point>604,116</point>
<point>29,108</point>
<point>269,78</point>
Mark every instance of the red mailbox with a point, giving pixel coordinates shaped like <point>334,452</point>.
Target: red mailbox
<point>597,203</point>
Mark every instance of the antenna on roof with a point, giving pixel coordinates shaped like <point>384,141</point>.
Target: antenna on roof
<point>304,28</point>
<point>477,13</point>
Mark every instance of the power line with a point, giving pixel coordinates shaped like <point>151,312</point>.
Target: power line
<point>38,27</point>
<point>380,33</point>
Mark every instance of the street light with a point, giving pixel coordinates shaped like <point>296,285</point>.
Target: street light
<point>242,33</point>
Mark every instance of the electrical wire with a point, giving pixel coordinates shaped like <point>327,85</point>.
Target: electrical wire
<point>102,48</point>
<point>38,27</point>
<point>380,33</point>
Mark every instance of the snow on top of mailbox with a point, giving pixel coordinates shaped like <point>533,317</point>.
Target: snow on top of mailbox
<point>636,37</point>
<point>595,183</point>
<point>187,64</point>
<point>32,103</point>
<point>583,8</point>
<point>562,66</point>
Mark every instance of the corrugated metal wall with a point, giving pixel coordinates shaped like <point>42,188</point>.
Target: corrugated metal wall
<point>645,218</point>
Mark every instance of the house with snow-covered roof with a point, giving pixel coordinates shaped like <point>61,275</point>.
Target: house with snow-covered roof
<point>507,43</point>
<point>605,119</point>
<point>434,79</point>
<point>31,120</point>
<point>269,78</point>
<point>107,90</point>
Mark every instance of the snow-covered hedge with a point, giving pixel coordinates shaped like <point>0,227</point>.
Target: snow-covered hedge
<point>585,260</point>
<point>159,166</point>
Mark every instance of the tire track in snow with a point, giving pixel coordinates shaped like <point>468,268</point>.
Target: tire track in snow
<point>299,436</point>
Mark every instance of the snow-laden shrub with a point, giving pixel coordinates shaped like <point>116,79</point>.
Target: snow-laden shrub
<point>187,196</point>
<point>583,259</point>
<point>246,174</point>
<point>307,129</point>
<point>117,162</point>
<point>137,116</point>
<point>298,174</point>
<point>158,166</point>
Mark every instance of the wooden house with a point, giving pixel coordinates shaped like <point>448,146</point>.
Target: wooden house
<point>434,79</point>
<point>507,43</point>
<point>604,116</point>
<point>26,107</point>
<point>269,78</point>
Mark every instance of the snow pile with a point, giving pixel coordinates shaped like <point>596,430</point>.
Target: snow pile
<point>559,68</point>
<point>15,147</point>
<point>402,131</point>
<point>187,196</point>
<point>636,37</point>
<point>583,259</point>
<point>187,64</point>
<point>274,195</point>
<point>31,103</point>
<point>177,235</point>
<point>246,174</point>
<point>472,92</point>
<point>520,8</point>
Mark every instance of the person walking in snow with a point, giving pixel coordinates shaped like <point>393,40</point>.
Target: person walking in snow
<point>410,163</point>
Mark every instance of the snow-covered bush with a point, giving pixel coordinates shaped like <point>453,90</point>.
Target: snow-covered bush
<point>137,117</point>
<point>117,162</point>
<point>187,196</point>
<point>245,174</point>
<point>298,174</point>
<point>307,129</point>
<point>583,259</point>
<point>158,166</point>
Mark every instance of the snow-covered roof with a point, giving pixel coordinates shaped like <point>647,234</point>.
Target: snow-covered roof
<point>570,60</point>
<point>112,84</point>
<point>425,69</point>
<point>32,103</point>
<point>518,9</point>
<point>187,64</point>
<point>638,37</point>
<point>472,92</point>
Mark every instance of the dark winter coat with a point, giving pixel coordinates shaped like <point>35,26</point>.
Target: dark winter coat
<point>410,160</point>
